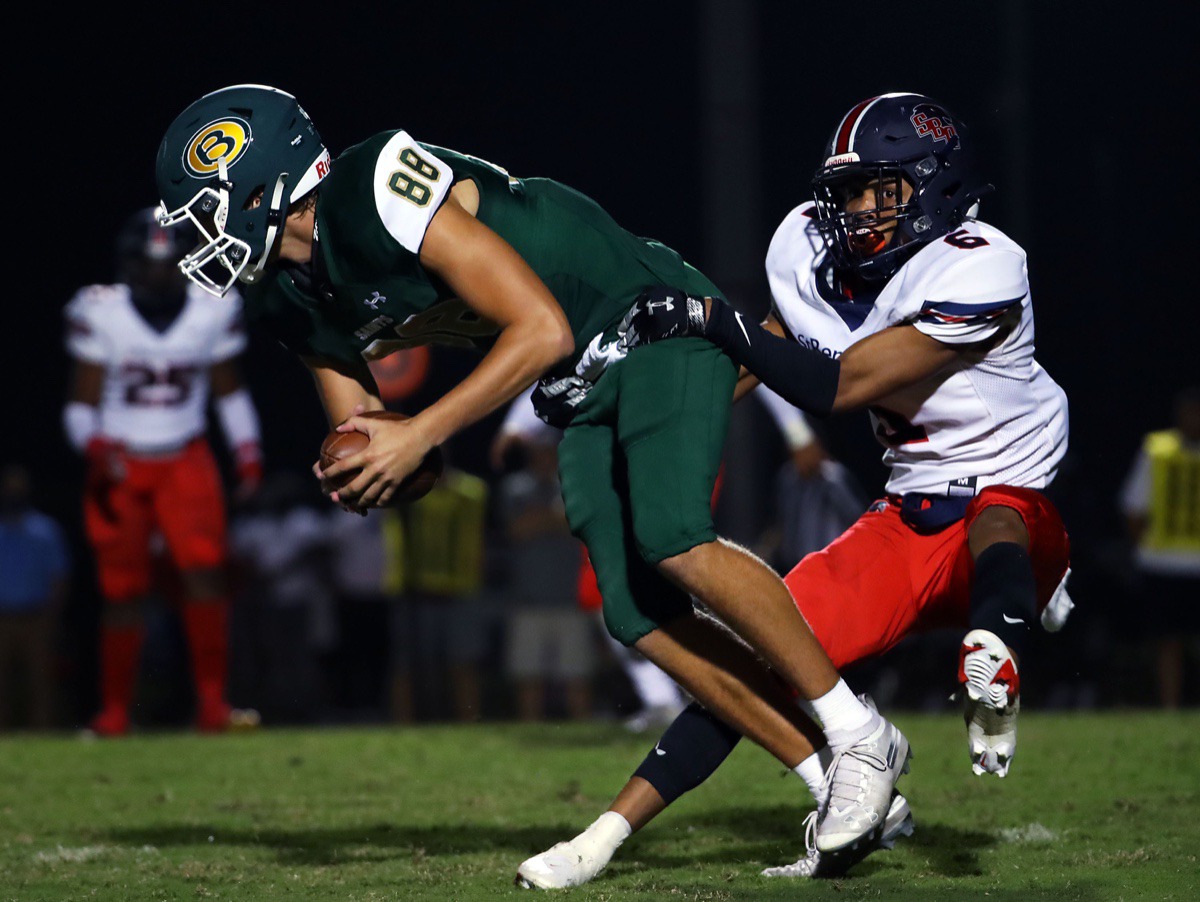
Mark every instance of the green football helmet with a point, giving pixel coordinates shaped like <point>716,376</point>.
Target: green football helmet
<point>231,164</point>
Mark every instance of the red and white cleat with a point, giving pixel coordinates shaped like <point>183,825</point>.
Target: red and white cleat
<point>991,701</point>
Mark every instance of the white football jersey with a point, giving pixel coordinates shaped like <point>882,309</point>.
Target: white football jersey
<point>997,419</point>
<point>156,384</point>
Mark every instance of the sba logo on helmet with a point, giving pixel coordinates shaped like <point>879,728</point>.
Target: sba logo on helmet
<point>225,139</point>
<point>931,122</point>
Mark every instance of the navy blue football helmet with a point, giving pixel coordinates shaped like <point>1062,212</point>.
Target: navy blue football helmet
<point>880,143</point>
<point>148,256</point>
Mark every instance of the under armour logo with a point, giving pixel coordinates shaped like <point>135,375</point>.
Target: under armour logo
<point>374,300</point>
<point>668,304</point>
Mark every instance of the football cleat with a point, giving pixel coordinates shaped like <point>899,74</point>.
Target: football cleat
<point>108,723</point>
<point>991,701</point>
<point>577,861</point>
<point>818,865</point>
<point>987,671</point>
<point>991,736</point>
<point>862,779</point>
<point>219,717</point>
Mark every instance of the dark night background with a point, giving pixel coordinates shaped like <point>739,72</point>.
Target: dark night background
<point>1082,114</point>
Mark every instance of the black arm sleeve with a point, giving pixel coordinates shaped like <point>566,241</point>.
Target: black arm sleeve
<point>799,375</point>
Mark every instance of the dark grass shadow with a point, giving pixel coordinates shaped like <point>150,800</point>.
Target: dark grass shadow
<point>333,845</point>
<point>776,836</point>
<point>768,835</point>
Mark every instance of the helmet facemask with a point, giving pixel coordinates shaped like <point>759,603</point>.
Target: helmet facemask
<point>220,259</point>
<point>873,241</point>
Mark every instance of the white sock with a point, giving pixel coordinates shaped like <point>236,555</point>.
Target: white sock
<point>604,836</point>
<point>841,712</point>
<point>807,707</point>
<point>812,772</point>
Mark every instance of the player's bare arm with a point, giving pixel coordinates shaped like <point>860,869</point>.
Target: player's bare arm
<point>492,279</point>
<point>877,366</point>
<point>344,392</point>
<point>343,389</point>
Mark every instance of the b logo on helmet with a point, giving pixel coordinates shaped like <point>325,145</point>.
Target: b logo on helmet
<point>225,138</point>
<point>933,123</point>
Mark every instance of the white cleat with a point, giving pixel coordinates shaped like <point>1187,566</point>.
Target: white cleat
<point>862,780</point>
<point>987,671</point>
<point>577,861</point>
<point>991,701</point>
<point>817,865</point>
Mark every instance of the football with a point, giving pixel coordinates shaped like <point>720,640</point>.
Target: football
<point>339,445</point>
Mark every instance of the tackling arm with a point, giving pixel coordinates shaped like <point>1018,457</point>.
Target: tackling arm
<point>868,371</point>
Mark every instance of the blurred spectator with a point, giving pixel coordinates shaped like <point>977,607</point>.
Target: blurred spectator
<point>359,568</point>
<point>439,621</point>
<point>817,498</point>
<point>147,351</point>
<point>550,638</point>
<point>660,696</point>
<point>35,564</point>
<point>279,542</point>
<point>1161,503</point>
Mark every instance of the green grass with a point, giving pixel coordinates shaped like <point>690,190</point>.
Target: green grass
<point>1097,807</point>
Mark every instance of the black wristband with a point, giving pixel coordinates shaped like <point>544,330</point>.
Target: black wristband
<point>803,377</point>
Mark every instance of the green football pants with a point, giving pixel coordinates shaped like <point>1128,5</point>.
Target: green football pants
<point>638,465</point>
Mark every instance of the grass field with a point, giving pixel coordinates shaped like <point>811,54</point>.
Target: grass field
<point>1097,807</point>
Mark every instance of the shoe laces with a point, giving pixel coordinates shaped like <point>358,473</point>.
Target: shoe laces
<point>810,832</point>
<point>848,783</point>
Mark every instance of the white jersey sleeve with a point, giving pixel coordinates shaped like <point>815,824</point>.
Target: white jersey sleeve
<point>87,339</point>
<point>975,297</point>
<point>230,340</point>
<point>410,185</point>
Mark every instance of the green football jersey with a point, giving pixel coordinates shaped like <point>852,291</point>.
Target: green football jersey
<point>366,294</point>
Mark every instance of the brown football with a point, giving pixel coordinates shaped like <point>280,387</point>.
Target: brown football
<point>417,484</point>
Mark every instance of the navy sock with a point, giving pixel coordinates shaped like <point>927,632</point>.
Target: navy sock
<point>688,753</point>
<point>1004,594</point>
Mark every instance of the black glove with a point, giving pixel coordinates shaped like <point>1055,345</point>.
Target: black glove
<point>556,400</point>
<point>660,313</point>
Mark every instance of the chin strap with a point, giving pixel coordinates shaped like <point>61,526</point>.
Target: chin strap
<point>274,221</point>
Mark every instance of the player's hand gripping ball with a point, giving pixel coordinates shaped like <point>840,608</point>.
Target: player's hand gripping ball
<point>417,484</point>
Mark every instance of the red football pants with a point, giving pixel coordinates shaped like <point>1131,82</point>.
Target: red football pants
<point>881,580</point>
<point>180,496</point>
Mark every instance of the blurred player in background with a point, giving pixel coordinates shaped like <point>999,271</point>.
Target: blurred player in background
<point>399,243</point>
<point>1160,499</point>
<point>148,352</point>
<point>660,697</point>
<point>889,294</point>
